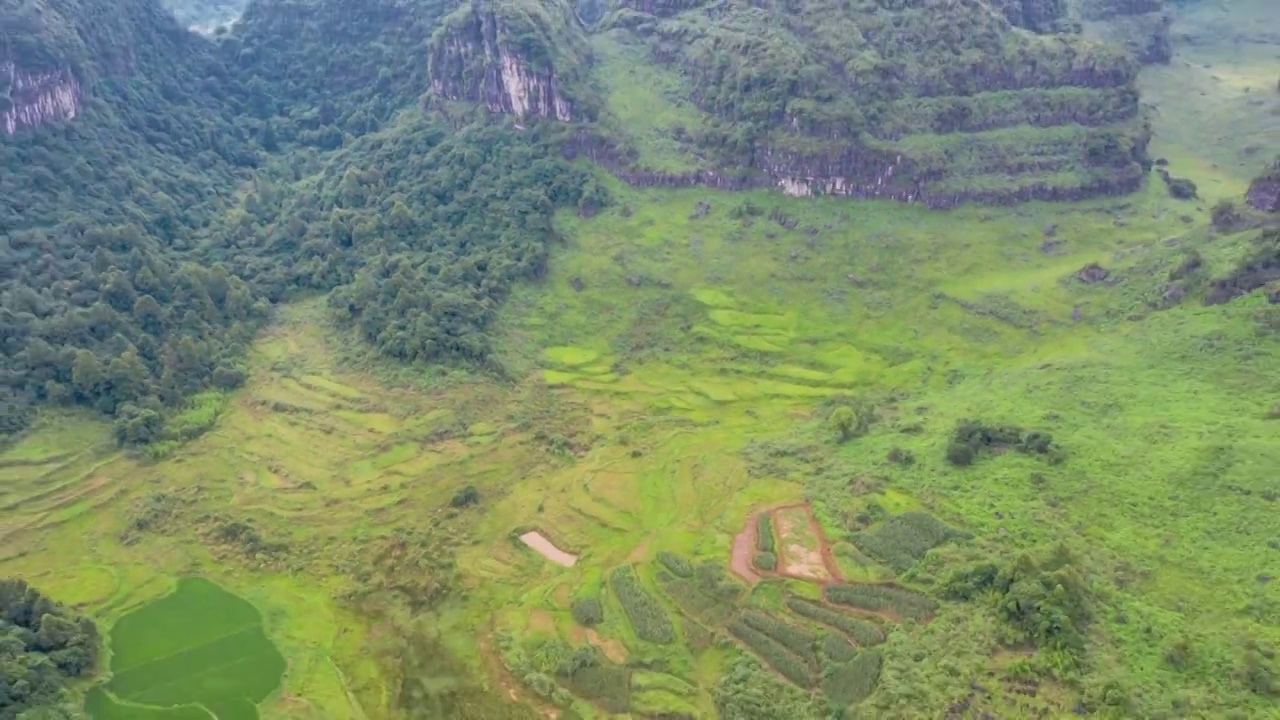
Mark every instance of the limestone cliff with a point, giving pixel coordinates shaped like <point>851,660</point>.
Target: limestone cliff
<point>933,101</point>
<point>30,98</point>
<point>520,58</point>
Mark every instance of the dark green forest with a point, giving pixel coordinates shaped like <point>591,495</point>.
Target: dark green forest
<point>43,647</point>
<point>150,237</point>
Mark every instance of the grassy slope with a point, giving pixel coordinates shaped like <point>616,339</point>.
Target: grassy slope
<point>623,436</point>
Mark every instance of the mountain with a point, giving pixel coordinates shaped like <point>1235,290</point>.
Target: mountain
<point>214,176</point>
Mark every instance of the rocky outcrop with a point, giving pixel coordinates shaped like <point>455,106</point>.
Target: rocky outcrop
<point>1264,191</point>
<point>519,58</point>
<point>34,98</point>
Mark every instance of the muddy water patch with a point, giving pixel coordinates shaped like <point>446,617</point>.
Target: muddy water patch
<point>544,547</point>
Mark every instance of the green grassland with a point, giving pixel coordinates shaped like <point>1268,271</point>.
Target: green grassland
<point>198,648</point>
<point>670,378</point>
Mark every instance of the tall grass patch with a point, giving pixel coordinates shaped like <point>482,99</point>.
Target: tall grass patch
<point>903,539</point>
<point>643,611</point>
<point>863,632</point>
<point>774,654</point>
<point>882,599</point>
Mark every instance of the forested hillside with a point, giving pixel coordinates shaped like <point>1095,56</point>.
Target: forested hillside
<point>146,233</point>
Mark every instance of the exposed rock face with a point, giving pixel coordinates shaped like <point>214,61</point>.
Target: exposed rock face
<point>35,98</point>
<point>511,57</point>
<point>932,101</point>
<point>1264,191</point>
<point>1265,195</point>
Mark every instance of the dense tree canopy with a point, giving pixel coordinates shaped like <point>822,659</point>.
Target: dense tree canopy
<point>145,241</point>
<point>42,647</point>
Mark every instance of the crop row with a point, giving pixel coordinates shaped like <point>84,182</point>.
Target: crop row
<point>776,655</point>
<point>799,641</point>
<point>863,632</point>
<point>847,683</point>
<point>764,533</point>
<point>707,608</point>
<point>766,561</point>
<point>643,611</point>
<point>882,598</point>
<point>837,648</point>
<point>676,564</point>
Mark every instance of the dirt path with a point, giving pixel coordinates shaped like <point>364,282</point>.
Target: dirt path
<point>744,550</point>
<point>544,547</point>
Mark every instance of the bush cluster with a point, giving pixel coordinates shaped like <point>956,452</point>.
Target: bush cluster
<point>851,682</point>
<point>973,438</point>
<point>592,676</point>
<point>643,611</point>
<point>587,611</point>
<point>863,632</point>
<point>903,539</point>
<point>766,561</point>
<point>882,598</point>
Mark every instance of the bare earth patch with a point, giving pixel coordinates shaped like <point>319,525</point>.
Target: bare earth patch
<point>614,650</point>
<point>744,548</point>
<point>546,549</point>
<point>802,550</point>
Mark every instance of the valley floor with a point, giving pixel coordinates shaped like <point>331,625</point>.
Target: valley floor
<point>674,376</point>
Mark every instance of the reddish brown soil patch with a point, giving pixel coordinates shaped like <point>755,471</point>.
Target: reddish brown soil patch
<point>799,560</point>
<point>614,650</point>
<point>544,547</point>
<point>744,550</point>
<point>542,621</point>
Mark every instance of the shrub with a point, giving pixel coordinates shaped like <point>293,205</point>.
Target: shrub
<point>797,640</point>
<point>764,533</point>
<point>971,438</point>
<point>862,632</point>
<point>777,656</point>
<point>903,539</point>
<point>592,676</point>
<point>837,648</point>
<point>587,611</point>
<point>882,598</point>
<point>468,495</point>
<point>852,682</point>
<point>676,564</point>
<point>960,454</point>
<point>898,456</point>
<point>642,610</point>
<point>766,561</point>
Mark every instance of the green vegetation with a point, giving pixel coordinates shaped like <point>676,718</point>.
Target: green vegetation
<point>765,561</point>
<point>430,328</point>
<point>882,599</point>
<point>903,539</point>
<point>43,649</point>
<point>764,533</point>
<point>587,611</point>
<point>790,665</point>
<point>680,567</point>
<point>707,595</point>
<point>863,632</point>
<point>161,659</point>
<point>851,682</point>
<point>646,616</point>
